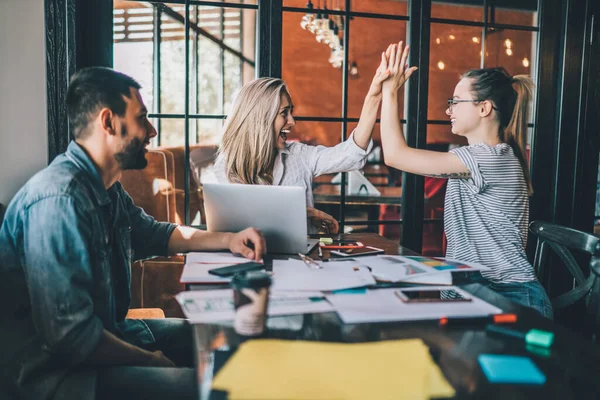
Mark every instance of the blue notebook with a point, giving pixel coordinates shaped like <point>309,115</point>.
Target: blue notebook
<point>500,368</point>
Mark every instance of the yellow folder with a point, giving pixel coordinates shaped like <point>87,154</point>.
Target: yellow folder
<point>280,369</point>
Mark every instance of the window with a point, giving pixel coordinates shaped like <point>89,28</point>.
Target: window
<point>188,101</point>
<point>328,78</point>
<point>328,96</point>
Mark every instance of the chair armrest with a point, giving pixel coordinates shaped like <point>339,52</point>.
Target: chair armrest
<point>155,282</point>
<point>145,313</point>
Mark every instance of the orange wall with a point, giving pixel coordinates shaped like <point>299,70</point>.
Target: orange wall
<point>316,87</point>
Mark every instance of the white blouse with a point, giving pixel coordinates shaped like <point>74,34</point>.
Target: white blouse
<point>298,163</point>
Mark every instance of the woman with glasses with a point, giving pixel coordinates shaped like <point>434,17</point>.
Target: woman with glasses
<point>486,209</point>
<point>254,149</point>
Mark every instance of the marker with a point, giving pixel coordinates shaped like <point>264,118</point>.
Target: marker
<point>536,337</point>
<point>494,318</point>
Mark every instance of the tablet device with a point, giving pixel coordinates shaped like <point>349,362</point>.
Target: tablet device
<point>356,252</point>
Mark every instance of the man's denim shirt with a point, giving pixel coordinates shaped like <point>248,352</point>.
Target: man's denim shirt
<point>66,247</point>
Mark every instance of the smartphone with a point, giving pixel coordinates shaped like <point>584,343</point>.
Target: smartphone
<point>356,252</point>
<point>347,244</point>
<point>231,270</point>
<point>431,295</point>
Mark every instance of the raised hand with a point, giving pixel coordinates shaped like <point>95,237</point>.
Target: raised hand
<point>381,75</point>
<point>399,72</point>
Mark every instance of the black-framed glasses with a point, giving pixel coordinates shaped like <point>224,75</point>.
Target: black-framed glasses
<point>453,102</point>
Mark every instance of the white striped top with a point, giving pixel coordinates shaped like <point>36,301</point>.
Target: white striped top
<point>486,216</point>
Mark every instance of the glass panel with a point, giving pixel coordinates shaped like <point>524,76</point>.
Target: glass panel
<point>390,7</point>
<point>172,132</point>
<point>439,138</point>
<point>208,131</point>
<point>303,59</point>
<point>437,134</point>
<point>381,195</point>
<point>219,68</point>
<point>526,14</point>
<point>234,1</point>
<point>172,62</point>
<point>454,50</point>
<point>516,51</point>
<point>472,12</point>
<point>133,51</point>
<point>368,38</point>
<point>316,4</point>
<point>316,133</point>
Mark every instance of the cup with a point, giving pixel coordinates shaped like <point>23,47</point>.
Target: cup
<point>250,299</point>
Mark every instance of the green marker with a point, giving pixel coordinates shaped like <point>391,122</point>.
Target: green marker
<point>535,337</point>
<point>326,240</point>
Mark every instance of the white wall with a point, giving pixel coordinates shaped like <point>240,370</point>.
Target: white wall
<point>23,133</point>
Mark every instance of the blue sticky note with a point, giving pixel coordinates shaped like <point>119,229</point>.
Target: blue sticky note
<point>500,368</point>
<point>360,290</point>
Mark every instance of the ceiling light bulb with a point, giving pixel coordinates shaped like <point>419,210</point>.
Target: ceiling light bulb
<point>306,21</point>
<point>441,65</point>
<point>509,52</point>
<point>525,62</point>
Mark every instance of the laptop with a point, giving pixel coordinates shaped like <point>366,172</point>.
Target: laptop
<point>278,211</point>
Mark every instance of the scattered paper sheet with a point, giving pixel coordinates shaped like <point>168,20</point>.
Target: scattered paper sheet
<point>207,306</point>
<point>296,275</point>
<point>197,265</point>
<point>416,269</point>
<point>300,370</point>
<point>382,305</point>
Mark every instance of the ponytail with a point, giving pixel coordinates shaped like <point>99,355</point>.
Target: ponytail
<point>515,134</point>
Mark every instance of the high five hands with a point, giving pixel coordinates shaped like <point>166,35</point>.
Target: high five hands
<point>395,67</point>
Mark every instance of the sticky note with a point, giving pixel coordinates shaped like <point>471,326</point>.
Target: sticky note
<point>500,368</point>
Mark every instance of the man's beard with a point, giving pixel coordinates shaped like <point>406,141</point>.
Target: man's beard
<point>133,156</point>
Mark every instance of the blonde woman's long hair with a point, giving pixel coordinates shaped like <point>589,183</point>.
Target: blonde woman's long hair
<point>248,143</point>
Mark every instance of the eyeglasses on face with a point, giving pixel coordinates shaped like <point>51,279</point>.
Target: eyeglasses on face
<point>454,102</point>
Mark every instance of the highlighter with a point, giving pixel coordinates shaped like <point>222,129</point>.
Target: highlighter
<point>535,337</point>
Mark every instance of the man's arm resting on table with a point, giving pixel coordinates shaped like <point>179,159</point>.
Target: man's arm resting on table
<point>250,242</point>
<point>113,351</point>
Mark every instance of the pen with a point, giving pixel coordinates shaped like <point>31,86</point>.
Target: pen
<point>309,261</point>
<point>536,337</point>
<point>494,318</point>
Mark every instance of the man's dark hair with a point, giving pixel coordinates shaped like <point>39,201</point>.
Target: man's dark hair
<point>92,89</point>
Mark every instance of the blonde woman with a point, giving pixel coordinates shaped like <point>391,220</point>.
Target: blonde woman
<point>254,149</point>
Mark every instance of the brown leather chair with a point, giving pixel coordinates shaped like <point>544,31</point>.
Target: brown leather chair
<point>152,188</point>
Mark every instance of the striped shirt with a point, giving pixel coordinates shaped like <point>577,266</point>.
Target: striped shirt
<point>486,216</point>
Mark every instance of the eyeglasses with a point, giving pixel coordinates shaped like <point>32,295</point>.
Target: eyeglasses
<point>453,102</point>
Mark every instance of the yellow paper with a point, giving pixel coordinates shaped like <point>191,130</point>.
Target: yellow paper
<point>278,369</point>
<point>438,385</point>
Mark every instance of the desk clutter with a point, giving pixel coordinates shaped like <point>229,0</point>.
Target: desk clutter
<point>350,287</point>
<point>298,284</point>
